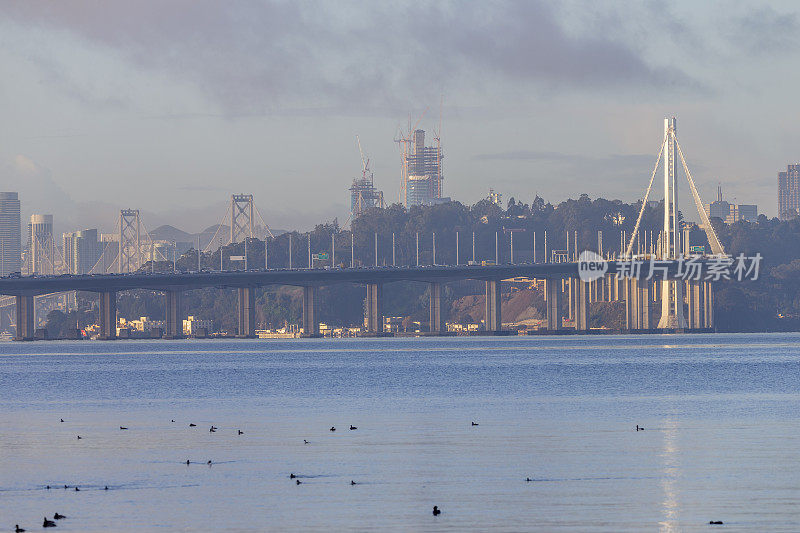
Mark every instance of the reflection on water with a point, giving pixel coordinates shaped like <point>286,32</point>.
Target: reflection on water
<point>671,472</point>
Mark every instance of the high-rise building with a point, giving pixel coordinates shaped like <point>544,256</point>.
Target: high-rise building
<point>41,246</point>
<point>789,192</point>
<point>81,251</point>
<point>731,213</point>
<point>10,237</point>
<point>421,171</point>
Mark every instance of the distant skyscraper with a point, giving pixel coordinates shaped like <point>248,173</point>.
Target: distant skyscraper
<point>41,246</point>
<point>10,235</point>
<point>81,251</point>
<point>421,171</point>
<point>731,213</point>
<point>789,192</point>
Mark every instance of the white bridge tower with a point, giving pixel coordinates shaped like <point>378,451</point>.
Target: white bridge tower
<point>671,290</point>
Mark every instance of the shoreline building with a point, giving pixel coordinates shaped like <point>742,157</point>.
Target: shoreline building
<point>10,233</point>
<point>421,171</point>
<point>789,192</point>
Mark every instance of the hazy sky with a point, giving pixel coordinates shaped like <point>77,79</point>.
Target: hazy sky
<point>171,106</point>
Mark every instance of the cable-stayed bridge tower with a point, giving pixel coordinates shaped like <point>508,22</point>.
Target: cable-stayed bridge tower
<point>671,247</point>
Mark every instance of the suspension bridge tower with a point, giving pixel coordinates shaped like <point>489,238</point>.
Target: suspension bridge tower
<point>241,217</point>
<point>130,252</point>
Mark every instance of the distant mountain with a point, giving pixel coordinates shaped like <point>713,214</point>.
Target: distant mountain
<point>171,233</point>
<point>220,231</point>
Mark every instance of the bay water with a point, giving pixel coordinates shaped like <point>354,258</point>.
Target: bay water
<point>555,447</point>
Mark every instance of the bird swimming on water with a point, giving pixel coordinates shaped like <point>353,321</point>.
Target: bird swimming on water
<point>187,461</point>
<point>58,516</point>
<point>79,437</point>
<point>436,511</point>
<point>122,427</point>
<point>105,488</point>
<point>209,462</point>
<point>241,432</point>
<point>292,475</point>
<point>715,522</point>
<point>639,428</point>
<point>333,428</point>
<point>77,489</point>
<point>18,529</point>
<point>352,427</point>
<point>192,425</point>
<point>48,523</point>
<point>475,424</point>
<point>298,481</point>
<point>62,419</point>
<point>305,441</point>
<point>352,482</point>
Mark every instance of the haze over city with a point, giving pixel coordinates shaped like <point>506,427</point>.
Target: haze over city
<point>171,107</point>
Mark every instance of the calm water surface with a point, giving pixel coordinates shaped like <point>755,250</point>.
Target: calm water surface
<point>721,413</point>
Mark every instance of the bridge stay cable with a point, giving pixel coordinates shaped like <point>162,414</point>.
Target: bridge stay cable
<point>716,246</point>
<point>644,200</point>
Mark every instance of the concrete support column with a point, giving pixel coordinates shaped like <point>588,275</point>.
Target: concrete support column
<point>709,305</point>
<point>552,289</point>
<point>173,323</point>
<point>644,318</point>
<point>108,315</point>
<point>310,322</point>
<point>246,313</point>
<point>493,319</point>
<point>581,289</point>
<point>436,317</point>
<point>375,308</point>
<point>570,285</point>
<point>631,304</point>
<point>25,318</point>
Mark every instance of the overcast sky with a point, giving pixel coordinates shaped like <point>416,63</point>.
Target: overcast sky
<point>171,106</point>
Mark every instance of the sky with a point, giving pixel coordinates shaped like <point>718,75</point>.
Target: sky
<point>172,106</point>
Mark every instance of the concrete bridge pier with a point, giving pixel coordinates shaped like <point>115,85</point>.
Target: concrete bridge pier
<point>708,299</point>
<point>637,304</point>
<point>699,299</point>
<point>25,318</point>
<point>310,322</point>
<point>437,324</point>
<point>246,313</point>
<point>580,290</point>
<point>173,323</point>
<point>374,309</point>
<point>552,294</point>
<point>108,315</point>
<point>493,319</point>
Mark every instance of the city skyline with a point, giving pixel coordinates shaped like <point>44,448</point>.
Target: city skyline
<point>554,106</point>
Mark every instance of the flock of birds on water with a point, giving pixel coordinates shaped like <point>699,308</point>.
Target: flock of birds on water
<point>436,511</point>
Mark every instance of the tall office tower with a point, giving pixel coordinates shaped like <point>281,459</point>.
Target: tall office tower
<point>421,171</point>
<point>81,251</point>
<point>41,246</point>
<point>789,192</point>
<point>10,236</point>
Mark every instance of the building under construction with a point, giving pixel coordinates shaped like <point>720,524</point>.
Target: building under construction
<point>421,170</point>
<point>363,194</point>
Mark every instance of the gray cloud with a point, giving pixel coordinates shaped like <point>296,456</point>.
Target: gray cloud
<point>764,30</point>
<point>255,57</point>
